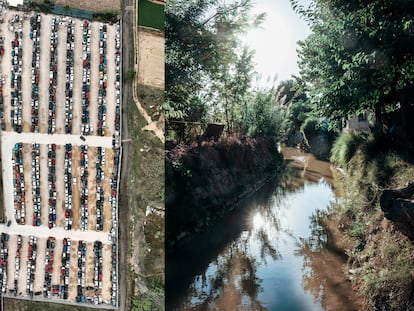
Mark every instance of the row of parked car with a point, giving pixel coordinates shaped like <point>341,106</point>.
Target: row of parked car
<point>97,275</point>
<point>113,234</point>
<point>70,56</point>
<point>68,186</point>
<point>18,183</point>
<point>53,74</point>
<point>103,77</point>
<point>36,184</point>
<point>64,271</point>
<point>84,196</point>
<point>17,264</point>
<point>4,256</point>
<point>81,277</point>
<point>49,260</point>
<point>86,77</point>
<point>116,168</point>
<point>31,265</point>
<point>35,37</point>
<point>51,180</point>
<point>118,78</point>
<point>16,26</point>
<point>100,175</point>
<point>2,120</point>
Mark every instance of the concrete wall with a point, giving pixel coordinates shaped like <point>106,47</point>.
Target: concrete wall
<point>358,122</point>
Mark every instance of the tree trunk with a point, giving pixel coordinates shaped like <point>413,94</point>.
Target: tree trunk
<point>379,127</point>
<point>226,113</point>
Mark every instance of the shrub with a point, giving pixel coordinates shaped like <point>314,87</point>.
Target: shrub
<point>309,129</point>
<point>345,147</point>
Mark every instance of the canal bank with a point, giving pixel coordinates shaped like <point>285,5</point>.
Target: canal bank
<point>270,253</point>
<point>204,182</point>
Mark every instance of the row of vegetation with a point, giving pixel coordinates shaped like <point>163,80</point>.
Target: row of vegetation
<point>205,182</point>
<point>145,194</point>
<point>381,259</point>
<point>209,80</point>
<point>359,59</point>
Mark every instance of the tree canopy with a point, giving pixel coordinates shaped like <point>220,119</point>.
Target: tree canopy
<point>359,56</point>
<point>204,57</point>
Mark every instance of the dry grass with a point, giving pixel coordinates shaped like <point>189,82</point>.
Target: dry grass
<point>382,256</point>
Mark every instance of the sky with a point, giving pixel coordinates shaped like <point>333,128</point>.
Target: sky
<point>275,42</point>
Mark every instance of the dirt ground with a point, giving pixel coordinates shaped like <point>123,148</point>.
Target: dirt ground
<point>73,270</point>
<point>40,265</point>
<point>26,75</point>
<point>21,285</point>
<point>5,69</point>
<point>110,91</point>
<point>106,266</point>
<point>57,264</point>
<point>109,154</point>
<point>93,104</point>
<point>77,79</point>
<point>44,76</point>
<point>27,169</point>
<point>92,188</point>
<point>11,264</point>
<point>151,58</point>
<point>61,80</point>
<point>96,5</point>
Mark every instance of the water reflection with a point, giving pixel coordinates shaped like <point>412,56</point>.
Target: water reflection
<point>272,254</point>
<point>322,265</point>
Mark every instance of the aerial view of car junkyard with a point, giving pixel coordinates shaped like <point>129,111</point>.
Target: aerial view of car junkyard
<point>60,118</point>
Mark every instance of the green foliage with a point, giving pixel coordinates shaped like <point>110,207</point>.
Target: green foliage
<point>130,75</point>
<point>204,183</point>
<point>204,58</point>
<point>382,256</point>
<point>107,16</point>
<point>359,56</point>
<point>309,129</point>
<point>152,299</point>
<point>345,147</point>
<point>263,115</point>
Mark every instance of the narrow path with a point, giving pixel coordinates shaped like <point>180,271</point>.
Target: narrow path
<point>152,125</point>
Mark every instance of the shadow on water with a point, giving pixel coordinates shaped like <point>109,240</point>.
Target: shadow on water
<point>193,257</point>
<point>271,253</point>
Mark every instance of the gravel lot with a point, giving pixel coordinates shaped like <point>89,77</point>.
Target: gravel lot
<point>10,138</point>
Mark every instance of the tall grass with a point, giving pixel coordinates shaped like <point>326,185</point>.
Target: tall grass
<point>345,147</point>
<point>384,257</point>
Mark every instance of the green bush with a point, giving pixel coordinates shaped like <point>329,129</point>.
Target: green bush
<point>107,16</point>
<point>309,129</point>
<point>345,147</point>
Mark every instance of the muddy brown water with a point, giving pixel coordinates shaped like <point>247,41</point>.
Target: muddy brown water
<point>271,253</point>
